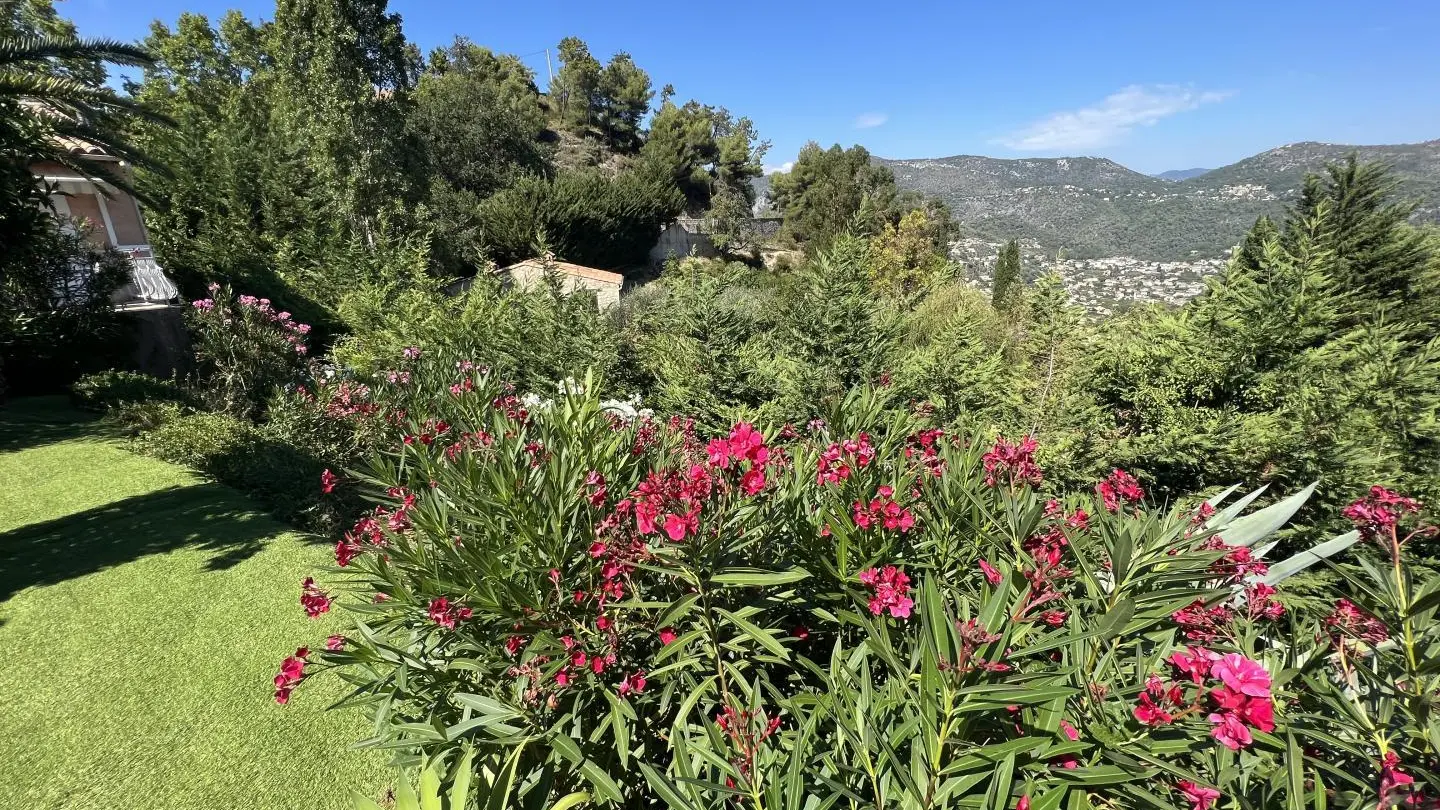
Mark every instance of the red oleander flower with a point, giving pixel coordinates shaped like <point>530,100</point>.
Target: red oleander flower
<point>346,549</point>
<point>1150,713</point>
<point>1119,487</point>
<point>1012,463</point>
<point>634,682</point>
<point>445,614</point>
<point>292,671</point>
<point>883,511</point>
<point>890,588</point>
<point>315,601</point>
<point>1199,796</point>
<point>1379,512</point>
<point>327,482</point>
<point>1350,621</point>
<point>1393,780</point>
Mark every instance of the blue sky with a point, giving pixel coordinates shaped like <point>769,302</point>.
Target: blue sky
<point>1153,85</point>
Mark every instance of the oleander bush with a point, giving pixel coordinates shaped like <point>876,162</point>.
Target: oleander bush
<point>244,350</point>
<point>864,611</point>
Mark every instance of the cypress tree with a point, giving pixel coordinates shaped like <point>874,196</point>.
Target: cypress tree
<point>1007,284</point>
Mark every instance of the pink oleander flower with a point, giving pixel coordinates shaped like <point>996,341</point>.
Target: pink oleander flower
<point>748,443</point>
<point>1242,675</point>
<point>678,527</point>
<point>1194,663</point>
<point>753,481</point>
<point>667,635</point>
<point>1230,730</point>
<point>204,304</point>
<point>336,642</point>
<point>327,482</point>
<point>991,575</point>
<point>1150,713</point>
<point>1199,796</point>
<point>718,453</point>
<point>562,679</point>
<point>1069,731</point>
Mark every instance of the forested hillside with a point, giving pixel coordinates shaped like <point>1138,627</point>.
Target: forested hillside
<point>1093,207</point>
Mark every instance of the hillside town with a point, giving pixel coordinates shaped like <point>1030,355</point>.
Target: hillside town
<point>1101,286</point>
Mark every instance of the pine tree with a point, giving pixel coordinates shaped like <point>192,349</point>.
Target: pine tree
<point>623,97</point>
<point>831,191</point>
<point>576,83</point>
<point>1008,283</point>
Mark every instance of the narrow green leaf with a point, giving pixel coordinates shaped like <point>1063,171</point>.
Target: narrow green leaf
<point>756,578</point>
<point>760,636</point>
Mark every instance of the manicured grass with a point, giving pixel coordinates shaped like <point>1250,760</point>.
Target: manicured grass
<point>143,612</point>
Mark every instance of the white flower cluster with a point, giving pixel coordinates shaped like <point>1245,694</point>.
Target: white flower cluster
<point>628,409</point>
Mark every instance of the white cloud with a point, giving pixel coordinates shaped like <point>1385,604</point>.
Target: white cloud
<point>783,167</point>
<point>870,120</point>
<point>1104,123</point>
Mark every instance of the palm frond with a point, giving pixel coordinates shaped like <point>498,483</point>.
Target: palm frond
<point>30,49</point>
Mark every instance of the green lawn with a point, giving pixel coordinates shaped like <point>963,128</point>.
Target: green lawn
<point>143,612</point>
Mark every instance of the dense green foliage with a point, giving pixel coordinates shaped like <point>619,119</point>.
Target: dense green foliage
<point>583,216</point>
<point>1314,356</point>
<point>322,168</point>
<point>831,191</point>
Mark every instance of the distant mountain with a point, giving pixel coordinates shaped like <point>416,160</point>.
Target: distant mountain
<point>1093,207</point>
<point>1181,174</point>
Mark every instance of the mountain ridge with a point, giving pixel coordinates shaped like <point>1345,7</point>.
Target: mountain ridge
<point>1181,174</point>
<point>1095,207</point>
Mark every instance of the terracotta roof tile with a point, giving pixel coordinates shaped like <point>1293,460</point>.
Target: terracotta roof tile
<point>568,269</point>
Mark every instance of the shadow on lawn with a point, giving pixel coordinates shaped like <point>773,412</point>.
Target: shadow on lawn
<point>37,421</point>
<point>207,516</point>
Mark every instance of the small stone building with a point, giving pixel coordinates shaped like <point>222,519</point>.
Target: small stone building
<point>531,273</point>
